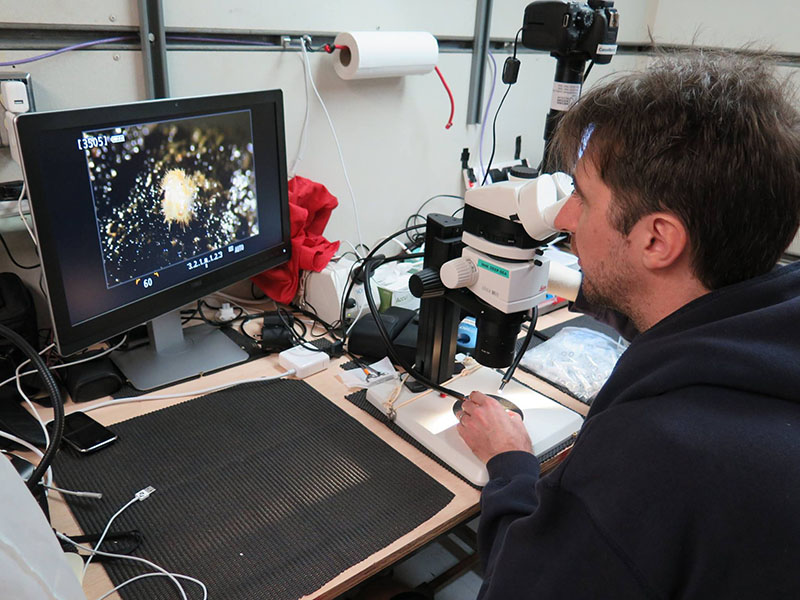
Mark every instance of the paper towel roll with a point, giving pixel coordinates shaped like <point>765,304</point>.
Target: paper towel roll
<point>370,54</point>
<point>33,564</point>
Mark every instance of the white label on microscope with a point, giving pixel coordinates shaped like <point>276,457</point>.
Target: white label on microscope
<point>564,95</point>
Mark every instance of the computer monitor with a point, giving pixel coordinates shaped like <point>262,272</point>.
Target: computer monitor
<point>142,208</point>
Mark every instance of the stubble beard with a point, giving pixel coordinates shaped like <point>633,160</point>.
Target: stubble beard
<point>611,284</point>
<point>604,290</point>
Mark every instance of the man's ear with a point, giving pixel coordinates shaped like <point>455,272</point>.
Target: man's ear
<point>663,240</point>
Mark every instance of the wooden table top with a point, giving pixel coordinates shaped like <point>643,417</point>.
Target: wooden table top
<point>463,506</point>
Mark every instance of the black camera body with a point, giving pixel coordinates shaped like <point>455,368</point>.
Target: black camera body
<point>572,29</point>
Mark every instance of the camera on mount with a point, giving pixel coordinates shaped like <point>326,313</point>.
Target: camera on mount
<point>563,28</point>
<point>573,33</point>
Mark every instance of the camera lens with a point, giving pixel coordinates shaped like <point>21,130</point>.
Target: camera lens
<point>497,338</point>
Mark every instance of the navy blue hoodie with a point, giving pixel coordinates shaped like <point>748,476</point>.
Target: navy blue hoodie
<point>684,481</point>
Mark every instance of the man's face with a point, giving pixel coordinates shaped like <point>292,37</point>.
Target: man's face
<point>605,259</point>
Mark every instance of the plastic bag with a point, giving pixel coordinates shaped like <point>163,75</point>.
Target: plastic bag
<point>577,359</point>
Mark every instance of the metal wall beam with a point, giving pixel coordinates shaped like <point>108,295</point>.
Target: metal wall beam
<point>483,22</point>
<point>154,48</point>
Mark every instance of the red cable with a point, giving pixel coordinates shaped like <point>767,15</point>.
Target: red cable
<point>449,93</point>
<point>329,49</point>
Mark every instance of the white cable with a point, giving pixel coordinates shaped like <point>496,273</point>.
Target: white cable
<point>349,243</point>
<point>27,400</point>
<point>94,495</point>
<point>258,304</point>
<point>133,558</point>
<point>396,241</point>
<point>143,575</point>
<point>105,531</point>
<point>310,325</point>
<point>335,139</point>
<point>183,394</point>
<point>71,363</point>
<point>238,302</point>
<point>138,497</point>
<point>32,448</point>
<point>22,215</point>
<point>108,350</point>
<point>353,324</point>
<point>36,415</point>
<point>301,148</point>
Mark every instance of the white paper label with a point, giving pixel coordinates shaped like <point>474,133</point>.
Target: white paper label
<point>564,95</point>
<point>606,49</point>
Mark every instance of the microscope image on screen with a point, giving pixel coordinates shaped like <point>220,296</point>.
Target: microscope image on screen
<point>171,193</point>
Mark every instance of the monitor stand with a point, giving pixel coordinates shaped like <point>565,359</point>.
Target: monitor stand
<point>174,353</point>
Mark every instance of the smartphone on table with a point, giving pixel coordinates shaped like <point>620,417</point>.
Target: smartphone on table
<point>84,434</point>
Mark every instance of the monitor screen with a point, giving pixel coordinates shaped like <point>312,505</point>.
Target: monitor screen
<point>142,208</point>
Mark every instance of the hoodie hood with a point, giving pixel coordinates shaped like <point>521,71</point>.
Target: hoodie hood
<point>744,337</point>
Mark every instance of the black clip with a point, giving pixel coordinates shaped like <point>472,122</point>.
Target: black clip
<point>121,542</point>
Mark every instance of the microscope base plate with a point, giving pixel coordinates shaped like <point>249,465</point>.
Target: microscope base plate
<point>429,419</point>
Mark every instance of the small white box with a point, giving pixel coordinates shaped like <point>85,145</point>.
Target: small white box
<point>397,293</point>
<point>392,280</point>
<point>14,96</point>
<point>322,293</point>
<point>305,362</point>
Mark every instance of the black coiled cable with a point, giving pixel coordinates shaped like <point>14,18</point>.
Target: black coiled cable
<point>55,397</point>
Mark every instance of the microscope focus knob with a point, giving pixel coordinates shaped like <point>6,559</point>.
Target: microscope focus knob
<point>426,284</point>
<point>458,273</point>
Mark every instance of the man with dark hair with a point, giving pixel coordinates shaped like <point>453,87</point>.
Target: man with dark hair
<point>684,481</point>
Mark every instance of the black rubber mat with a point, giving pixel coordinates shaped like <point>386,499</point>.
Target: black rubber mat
<point>263,491</point>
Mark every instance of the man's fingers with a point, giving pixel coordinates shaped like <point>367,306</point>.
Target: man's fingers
<point>477,398</point>
<point>513,414</point>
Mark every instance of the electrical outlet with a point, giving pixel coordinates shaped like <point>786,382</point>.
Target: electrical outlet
<point>24,78</point>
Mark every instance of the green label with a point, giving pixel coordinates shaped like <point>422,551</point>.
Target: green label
<point>492,268</point>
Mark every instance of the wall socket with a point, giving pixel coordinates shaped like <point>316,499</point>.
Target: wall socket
<point>24,78</point>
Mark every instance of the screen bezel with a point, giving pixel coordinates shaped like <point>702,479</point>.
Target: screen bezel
<point>71,338</point>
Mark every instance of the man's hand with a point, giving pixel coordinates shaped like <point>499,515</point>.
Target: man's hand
<point>489,429</point>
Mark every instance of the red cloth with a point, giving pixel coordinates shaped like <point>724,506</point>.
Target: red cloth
<point>310,207</point>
